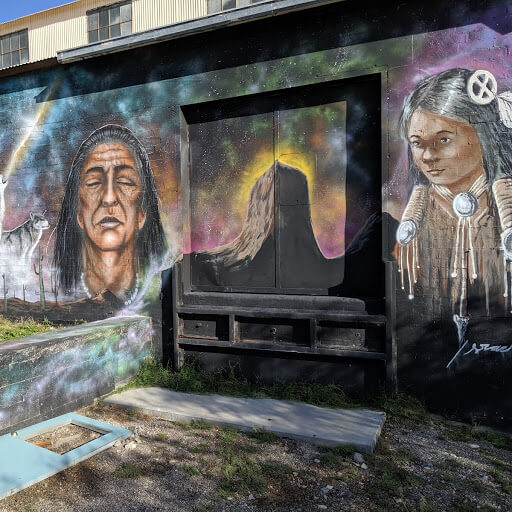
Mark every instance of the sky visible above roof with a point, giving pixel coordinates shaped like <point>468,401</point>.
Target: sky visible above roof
<point>19,8</point>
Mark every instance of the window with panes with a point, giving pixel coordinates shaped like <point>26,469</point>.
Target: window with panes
<point>14,49</point>
<point>109,22</point>
<point>223,5</point>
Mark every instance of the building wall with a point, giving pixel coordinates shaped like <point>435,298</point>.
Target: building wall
<point>148,14</point>
<point>65,27</point>
<point>214,113</point>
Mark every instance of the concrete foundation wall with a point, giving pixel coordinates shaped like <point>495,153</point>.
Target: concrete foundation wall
<point>48,374</point>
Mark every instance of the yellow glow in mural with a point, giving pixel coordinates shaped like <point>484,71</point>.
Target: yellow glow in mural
<point>262,162</point>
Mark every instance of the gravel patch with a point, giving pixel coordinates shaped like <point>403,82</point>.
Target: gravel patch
<point>169,466</point>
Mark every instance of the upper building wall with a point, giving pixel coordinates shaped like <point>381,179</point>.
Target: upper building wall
<point>148,14</point>
<point>65,26</point>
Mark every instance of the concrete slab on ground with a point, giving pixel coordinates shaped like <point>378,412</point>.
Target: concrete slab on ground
<point>326,427</point>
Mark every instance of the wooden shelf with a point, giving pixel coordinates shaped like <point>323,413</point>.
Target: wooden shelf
<point>288,349</point>
<point>338,316</point>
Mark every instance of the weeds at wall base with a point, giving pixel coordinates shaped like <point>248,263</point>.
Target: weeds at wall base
<point>191,378</point>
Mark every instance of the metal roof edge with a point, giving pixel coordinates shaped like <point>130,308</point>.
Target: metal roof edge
<point>189,28</point>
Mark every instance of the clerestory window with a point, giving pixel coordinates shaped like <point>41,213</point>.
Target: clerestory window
<point>223,5</point>
<point>109,22</point>
<point>14,49</point>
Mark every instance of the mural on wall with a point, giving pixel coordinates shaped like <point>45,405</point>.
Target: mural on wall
<point>109,229</point>
<point>91,243</point>
<point>290,193</point>
<point>108,234</point>
<point>238,150</point>
<point>72,251</point>
<point>455,234</point>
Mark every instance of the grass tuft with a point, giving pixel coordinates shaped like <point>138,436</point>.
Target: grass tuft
<point>127,470</point>
<point>262,436</point>
<point>467,434</point>
<point>11,329</point>
<point>228,435</point>
<point>241,474</point>
<point>335,457</point>
<point>404,406</point>
<point>331,459</point>
<point>190,470</point>
<point>502,480</point>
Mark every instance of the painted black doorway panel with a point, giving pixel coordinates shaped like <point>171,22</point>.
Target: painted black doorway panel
<point>288,253</point>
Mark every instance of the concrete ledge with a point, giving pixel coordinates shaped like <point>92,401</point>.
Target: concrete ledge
<point>296,420</point>
<point>48,374</point>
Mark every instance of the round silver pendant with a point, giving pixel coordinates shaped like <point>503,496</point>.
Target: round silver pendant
<point>506,242</point>
<point>465,204</point>
<point>406,232</point>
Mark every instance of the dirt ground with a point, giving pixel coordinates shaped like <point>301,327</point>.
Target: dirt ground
<point>166,466</point>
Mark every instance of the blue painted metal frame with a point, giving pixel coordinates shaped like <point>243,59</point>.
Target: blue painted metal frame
<point>23,464</point>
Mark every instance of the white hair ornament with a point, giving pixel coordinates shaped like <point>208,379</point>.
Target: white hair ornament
<point>482,89</point>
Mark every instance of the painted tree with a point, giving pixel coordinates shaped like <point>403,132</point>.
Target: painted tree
<point>40,274</point>
<point>6,291</point>
<point>55,287</point>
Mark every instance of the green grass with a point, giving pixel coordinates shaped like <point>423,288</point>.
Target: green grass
<point>504,481</point>
<point>275,470</point>
<point>403,406</point>
<point>468,434</point>
<point>497,463</point>
<point>200,448</point>
<point>190,470</point>
<point>477,486</point>
<point>193,425</point>
<point>239,471</point>
<point>458,506</point>
<point>262,436</point>
<point>228,435</point>
<point>10,329</point>
<point>192,379</point>
<point>200,425</point>
<point>159,470</point>
<point>389,481</point>
<point>331,459</point>
<point>446,476</point>
<point>335,457</point>
<point>452,465</point>
<point>182,424</point>
<point>241,474</point>
<point>127,470</point>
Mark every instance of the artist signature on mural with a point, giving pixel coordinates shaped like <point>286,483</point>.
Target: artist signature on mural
<point>476,348</point>
<point>487,347</point>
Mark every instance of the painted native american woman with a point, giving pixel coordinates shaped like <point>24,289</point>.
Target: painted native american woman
<point>455,235</point>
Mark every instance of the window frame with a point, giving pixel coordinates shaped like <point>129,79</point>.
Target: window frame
<point>214,10</point>
<point>12,51</point>
<point>95,26</point>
